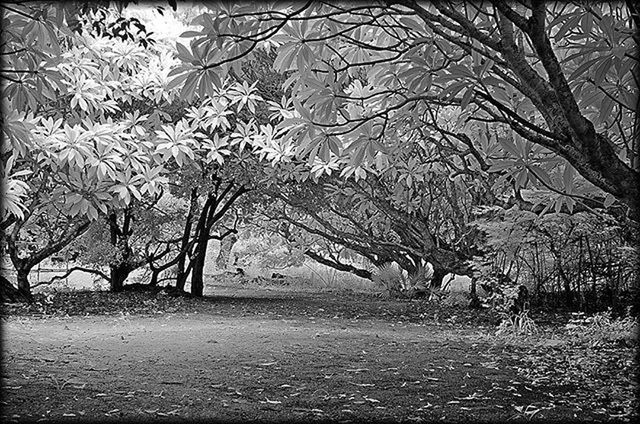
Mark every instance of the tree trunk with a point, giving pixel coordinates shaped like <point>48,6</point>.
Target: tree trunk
<point>197,262</point>
<point>8,293</point>
<point>181,275</point>
<point>362,273</point>
<point>226,245</point>
<point>24,265</point>
<point>197,272</point>
<point>154,278</point>
<point>118,276</point>
<point>438,276</point>
<point>475,301</point>
<point>23,281</point>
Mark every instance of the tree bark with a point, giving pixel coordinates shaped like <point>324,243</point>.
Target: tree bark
<point>438,276</point>
<point>197,271</point>
<point>117,277</point>
<point>24,265</point>
<point>119,271</point>
<point>181,276</point>
<point>23,280</point>
<point>362,273</point>
<point>10,294</point>
<point>226,245</point>
<point>210,215</point>
<point>200,248</point>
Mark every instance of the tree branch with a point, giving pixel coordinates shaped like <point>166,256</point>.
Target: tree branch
<point>68,273</point>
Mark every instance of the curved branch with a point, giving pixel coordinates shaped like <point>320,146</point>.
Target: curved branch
<point>340,266</point>
<point>564,95</point>
<point>71,270</point>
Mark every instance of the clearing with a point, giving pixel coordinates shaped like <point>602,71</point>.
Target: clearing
<point>272,355</point>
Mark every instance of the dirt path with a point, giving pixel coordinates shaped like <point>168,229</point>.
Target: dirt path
<point>199,365</point>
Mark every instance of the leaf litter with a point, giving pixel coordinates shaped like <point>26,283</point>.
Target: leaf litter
<point>547,379</point>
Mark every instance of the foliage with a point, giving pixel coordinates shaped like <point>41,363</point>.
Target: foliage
<point>397,282</point>
<point>377,219</point>
<point>152,226</point>
<point>82,138</point>
<point>107,132</point>
<point>86,144</point>
<point>363,76</point>
<point>267,251</point>
<point>516,327</point>
<point>457,300</point>
<point>399,118</point>
<point>429,111</point>
<point>391,279</point>
<point>601,328</point>
<point>584,256</point>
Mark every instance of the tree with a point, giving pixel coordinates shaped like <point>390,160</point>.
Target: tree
<point>580,260</point>
<point>109,133</point>
<point>80,156</point>
<point>555,76</point>
<point>382,219</point>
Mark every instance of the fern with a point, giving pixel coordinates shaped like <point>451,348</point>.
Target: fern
<point>397,283</point>
<point>390,278</point>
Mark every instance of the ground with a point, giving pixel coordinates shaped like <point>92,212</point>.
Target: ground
<point>278,356</point>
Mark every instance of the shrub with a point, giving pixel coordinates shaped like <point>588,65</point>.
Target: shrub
<point>453,299</point>
<point>602,328</point>
<point>516,326</point>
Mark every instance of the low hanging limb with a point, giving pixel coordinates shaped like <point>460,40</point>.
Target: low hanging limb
<point>69,271</point>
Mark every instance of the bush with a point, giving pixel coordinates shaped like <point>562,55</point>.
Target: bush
<point>516,326</point>
<point>602,328</point>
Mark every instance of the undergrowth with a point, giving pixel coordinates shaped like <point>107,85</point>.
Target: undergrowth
<point>601,328</point>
